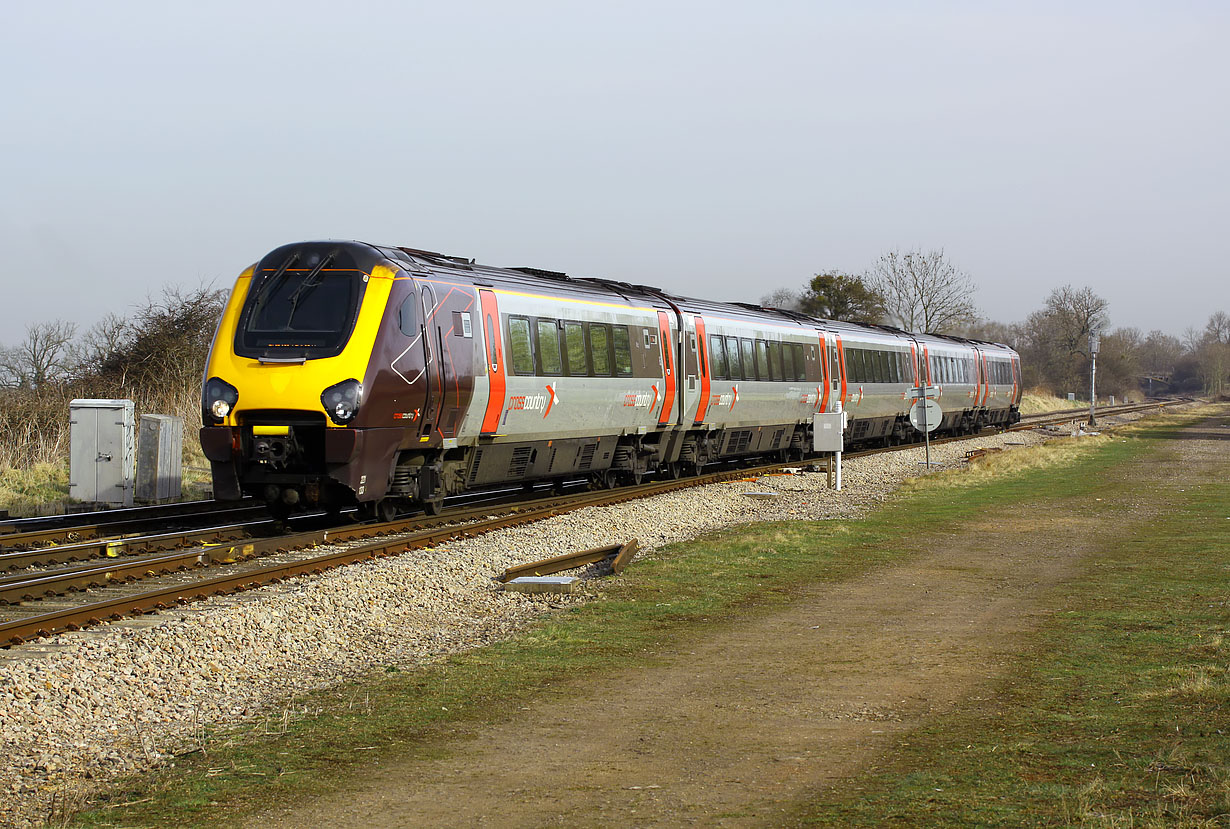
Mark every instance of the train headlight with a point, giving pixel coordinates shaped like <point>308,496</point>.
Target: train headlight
<point>218,399</point>
<point>341,401</point>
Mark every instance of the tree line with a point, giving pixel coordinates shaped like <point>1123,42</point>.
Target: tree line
<point>155,357</point>
<point>923,292</point>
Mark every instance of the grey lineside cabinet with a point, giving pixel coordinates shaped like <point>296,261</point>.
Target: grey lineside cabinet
<point>160,449</point>
<point>101,451</point>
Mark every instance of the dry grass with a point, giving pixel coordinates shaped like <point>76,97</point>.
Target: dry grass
<point>1037,401</point>
<point>23,491</point>
<point>1059,452</point>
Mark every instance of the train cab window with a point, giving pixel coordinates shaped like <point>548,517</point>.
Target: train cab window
<point>600,349</point>
<point>405,317</point>
<point>520,345</point>
<point>623,350</point>
<point>548,347</point>
<point>733,363</point>
<point>749,359</point>
<point>574,348</point>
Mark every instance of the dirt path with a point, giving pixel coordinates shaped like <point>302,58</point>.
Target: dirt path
<point>738,726</point>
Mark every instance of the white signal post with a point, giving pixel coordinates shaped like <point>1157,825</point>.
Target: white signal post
<point>1094,342</point>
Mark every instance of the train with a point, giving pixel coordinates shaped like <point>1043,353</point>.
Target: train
<point>344,373</point>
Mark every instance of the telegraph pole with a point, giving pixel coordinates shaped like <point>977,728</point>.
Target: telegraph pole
<point>1093,376</point>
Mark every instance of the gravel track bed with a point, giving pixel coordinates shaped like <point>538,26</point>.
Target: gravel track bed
<point>80,710</point>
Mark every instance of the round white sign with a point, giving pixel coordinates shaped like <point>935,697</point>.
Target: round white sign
<point>934,415</point>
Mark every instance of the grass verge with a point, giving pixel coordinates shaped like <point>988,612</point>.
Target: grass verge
<point>320,744</point>
<point>1117,716</point>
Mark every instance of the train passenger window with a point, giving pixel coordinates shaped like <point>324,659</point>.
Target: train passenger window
<point>787,371</point>
<point>733,364</point>
<point>856,367</point>
<point>574,346</point>
<point>885,374</point>
<point>800,368</point>
<point>852,371</point>
<point>599,349</point>
<point>548,347</point>
<point>749,359</point>
<point>762,360</point>
<point>894,367</point>
<point>623,350</point>
<point>717,357</point>
<point>775,361</point>
<point>520,345</point>
<point>405,317</point>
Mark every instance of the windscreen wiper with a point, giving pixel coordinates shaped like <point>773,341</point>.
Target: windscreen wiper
<point>308,285</point>
<point>269,286</point>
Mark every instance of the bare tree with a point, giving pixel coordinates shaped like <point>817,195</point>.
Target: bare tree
<point>784,298</point>
<point>1218,328</point>
<point>43,357</point>
<point>1213,355</point>
<point>100,344</point>
<point>923,291</point>
<point>1076,314</point>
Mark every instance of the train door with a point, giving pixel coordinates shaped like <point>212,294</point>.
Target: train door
<point>983,394</point>
<point>702,403</point>
<point>669,373</point>
<point>494,358</point>
<point>839,370</point>
<point>431,362</point>
<point>826,373</point>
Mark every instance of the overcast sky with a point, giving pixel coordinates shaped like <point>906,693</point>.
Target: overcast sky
<point>713,149</point>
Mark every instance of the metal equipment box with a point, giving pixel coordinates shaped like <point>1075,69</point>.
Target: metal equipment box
<point>101,441</point>
<point>827,429</point>
<point>160,449</point>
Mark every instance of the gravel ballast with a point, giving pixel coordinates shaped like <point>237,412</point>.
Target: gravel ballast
<point>79,710</point>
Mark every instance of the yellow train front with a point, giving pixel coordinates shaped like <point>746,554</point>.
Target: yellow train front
<point>297,401</point>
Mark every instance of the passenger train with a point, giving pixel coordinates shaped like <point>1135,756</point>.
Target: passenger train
<point>344,373</point>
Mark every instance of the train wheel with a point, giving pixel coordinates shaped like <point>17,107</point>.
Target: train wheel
<point>434,506</point>
<point>671,471</point>
<point>387,509</point>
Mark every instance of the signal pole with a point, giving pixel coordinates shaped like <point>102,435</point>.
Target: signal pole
<point>1093,376</point>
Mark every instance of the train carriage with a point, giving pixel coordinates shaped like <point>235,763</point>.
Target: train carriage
<point>343,372</point>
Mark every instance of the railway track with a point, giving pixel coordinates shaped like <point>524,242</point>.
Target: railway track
<point>28,599</point>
